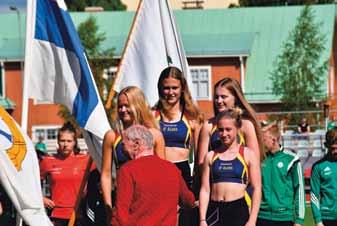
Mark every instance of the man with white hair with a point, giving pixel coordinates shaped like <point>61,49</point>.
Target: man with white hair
<point>148,188</point>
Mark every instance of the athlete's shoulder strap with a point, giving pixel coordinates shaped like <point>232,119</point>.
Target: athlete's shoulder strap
<point>214,156</point>
<point>157,114</point>
<point>242,151</point>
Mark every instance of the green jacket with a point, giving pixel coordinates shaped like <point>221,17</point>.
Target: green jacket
<point>283,196</point>
<point>323,197</point>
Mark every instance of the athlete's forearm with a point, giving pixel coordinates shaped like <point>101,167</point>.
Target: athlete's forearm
<point>256,200</point>
<point>106,184</point>
<point>203,203</point>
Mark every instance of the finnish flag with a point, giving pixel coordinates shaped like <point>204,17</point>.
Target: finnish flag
<point>57,70</point>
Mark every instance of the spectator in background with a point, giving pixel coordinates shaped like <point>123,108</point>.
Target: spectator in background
<point>41,148</point>
<point>332,123</point>
<point>323,184</point>
<point>282,202</point>
<point>65,170</point>
<point>148,188</point>
<point>303,127</point>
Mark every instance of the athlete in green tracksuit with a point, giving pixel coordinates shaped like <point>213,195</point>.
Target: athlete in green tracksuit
<point>283,196</point>
<point>323,183</point>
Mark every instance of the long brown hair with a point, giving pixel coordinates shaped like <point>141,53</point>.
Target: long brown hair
<point>185,100</point>
<point>233,86</point>
<point>139,107</point>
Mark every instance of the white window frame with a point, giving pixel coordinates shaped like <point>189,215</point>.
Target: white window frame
<point>106,77</point>
<point>209,69</point>
<point>35,137</point>
<point>36,102</point>
<point>112,69</point>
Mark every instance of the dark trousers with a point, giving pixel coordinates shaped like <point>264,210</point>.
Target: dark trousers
<point>60,222</point>
<point>263,222</point>
<point>185,170</point>
<point>329,222</point>
<point>186,216</point>
<point>234,213</point>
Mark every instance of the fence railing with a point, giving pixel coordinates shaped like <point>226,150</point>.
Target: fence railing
<point>310,144</point>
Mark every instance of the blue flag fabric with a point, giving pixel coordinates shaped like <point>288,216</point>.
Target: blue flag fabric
<point>57,69</point>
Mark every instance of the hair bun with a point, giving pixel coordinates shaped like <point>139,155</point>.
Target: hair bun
<point>237,110</point>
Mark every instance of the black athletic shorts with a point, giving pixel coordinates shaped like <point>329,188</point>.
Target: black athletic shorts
<point>234,213</point>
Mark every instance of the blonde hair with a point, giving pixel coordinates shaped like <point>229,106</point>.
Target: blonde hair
<point>139,107</point>
<point>273,129</point>
<point>233,86</point>
<point>186,99</point>
<point>233,113</point>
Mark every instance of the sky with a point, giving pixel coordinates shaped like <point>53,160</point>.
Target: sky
<point>20,4</point>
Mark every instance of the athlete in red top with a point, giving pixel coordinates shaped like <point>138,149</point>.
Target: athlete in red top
<point>66,170</point>
<point>148,188</point>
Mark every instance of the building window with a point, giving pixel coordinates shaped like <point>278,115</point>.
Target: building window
<point>110,73</point>
<point>193,4</point>
<point>47,132</point>
<point>51,134</point>
<point>40,133</point>
<point>201,80</point>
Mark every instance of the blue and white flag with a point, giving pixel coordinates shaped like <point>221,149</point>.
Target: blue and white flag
<point>57,70</point>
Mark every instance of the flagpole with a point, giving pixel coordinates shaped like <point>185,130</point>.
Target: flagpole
<point>112,90</point>
<point>31,6</point>
<point>174,29</point>
<point>24,114</point>
<point>182,57</point>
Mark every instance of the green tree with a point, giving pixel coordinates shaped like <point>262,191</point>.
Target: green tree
<point>297,75</point>
<point>244,3</point>
<point>99,60</point>
<point>108,5</point>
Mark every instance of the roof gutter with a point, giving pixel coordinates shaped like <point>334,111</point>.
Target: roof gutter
<point>218,56</point>
<point>206,56</point>
<point>264,101</point>
<point>11,60</point>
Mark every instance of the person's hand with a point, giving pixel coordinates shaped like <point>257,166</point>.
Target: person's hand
<point>108,212</point>
<point>203,223</point>
<point>297,224</point>
<point>48,203</point>
<point>320,224</point>
<point>1,209</point>
<point>196,203</point>
<point>250,223</point>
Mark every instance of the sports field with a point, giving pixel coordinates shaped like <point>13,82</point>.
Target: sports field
<point>308,221</point>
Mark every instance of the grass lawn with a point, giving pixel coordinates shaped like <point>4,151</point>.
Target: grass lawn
<point>308,220</point>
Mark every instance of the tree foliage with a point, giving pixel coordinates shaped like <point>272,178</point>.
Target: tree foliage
<point>99,60</point>
<point>298,73</point>
<point>108,5</point>
<point>281,2</point>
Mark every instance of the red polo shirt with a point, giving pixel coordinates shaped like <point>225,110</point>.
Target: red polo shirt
<point>148,191</point>
<point>65,178</point>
